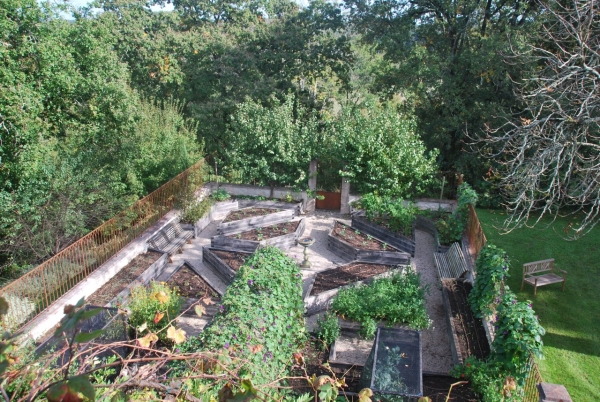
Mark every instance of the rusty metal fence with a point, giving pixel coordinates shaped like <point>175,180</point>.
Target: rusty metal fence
<point>32,293</point>
<point>477,241</point>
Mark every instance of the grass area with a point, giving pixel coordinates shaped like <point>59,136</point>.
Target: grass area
<point>572,318</point>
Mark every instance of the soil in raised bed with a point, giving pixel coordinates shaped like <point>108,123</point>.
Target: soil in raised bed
<point>267,232</point>
<point>472,340</point>
<point>314,357</point>
<point>246,213</point>
<point>190,284</point>
<point>436,387</point>
<point>346,274</point>
<point>359,240</point>
<point>232,258</point>
<point>123,278</point>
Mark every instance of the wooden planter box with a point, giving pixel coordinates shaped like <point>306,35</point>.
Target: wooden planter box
<point>295,206</point>
<point>218,211</point>
<point>283,242</point>
<point>427,225</point>
<point>322,301</point>
<point>347,251</point>
<point>223,271</point>
<point>152,272</point>
<point>360,222</point>
<point>457,356</point>
<point>242,225</point>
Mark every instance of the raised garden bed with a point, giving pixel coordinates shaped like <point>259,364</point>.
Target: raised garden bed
<point>217,211</point>
<point>249,218</point>
<point>225,263</point>
<point>467,335</point>
<point>294,205</point>
<point>282,235</point>
<point>351,244</point>
<point>326,284</point>
<point>380,231</point>
<point>195,289</point>
<point>140,270</point>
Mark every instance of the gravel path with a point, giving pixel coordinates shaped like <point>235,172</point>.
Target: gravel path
<point>437,356</point>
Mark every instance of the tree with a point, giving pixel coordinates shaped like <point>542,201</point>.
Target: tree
<point>381,151</point>
<point>272,145</point>
<point>443,59</point>
<point>549,152</point>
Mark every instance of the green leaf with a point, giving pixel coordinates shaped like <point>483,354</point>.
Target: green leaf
<point>87,336</point>
<point>90,313</point>
<point>80,302</point>
<point>3,306</point>
<point>81,384</point>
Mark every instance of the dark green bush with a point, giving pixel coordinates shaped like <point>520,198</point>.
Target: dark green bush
<point>328,328</point>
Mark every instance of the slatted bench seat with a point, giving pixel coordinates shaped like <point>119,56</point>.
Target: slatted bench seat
<point>171,238</point>
<point>542,273</point>
<point>452,263</point>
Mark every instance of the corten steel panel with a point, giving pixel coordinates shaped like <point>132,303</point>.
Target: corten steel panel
<point>332,200</point>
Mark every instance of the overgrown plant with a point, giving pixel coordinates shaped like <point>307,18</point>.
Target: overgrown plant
<point>451,228</point>
<point>261,319</point>
<point>492,269</point>
<point>328,328</point>
<point>152,310</point>
<point>220,194</point>
<point>399,298</point>
<point>398,215</point>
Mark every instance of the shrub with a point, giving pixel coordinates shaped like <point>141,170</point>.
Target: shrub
<point>489,380</point>
<point>328,328</point>
<point>399,298</point>
<point>261,318</point>
<point>492,268</point>
<point>397,214</point>
<point>220,195</point>
<point>155,306</point>
<point>197,210</point>
<point>518,335</point>
<point>451,228</point>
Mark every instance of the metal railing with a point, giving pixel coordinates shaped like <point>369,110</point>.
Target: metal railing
<point>477,241</point>
<point>32,293</point>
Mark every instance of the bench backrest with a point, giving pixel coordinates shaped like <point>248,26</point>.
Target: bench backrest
<point>538,266</point>
<point>159,241</point>
<point>456,260</point>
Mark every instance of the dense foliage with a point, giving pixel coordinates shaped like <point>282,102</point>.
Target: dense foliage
<point>518,333</point>
<point>399,298</point>
<point>396,214</point>
<point>452,227</point>
<point>261,318</point>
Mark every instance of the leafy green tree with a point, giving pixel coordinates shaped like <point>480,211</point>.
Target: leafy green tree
<point>272,145</point>
<point>444,62</point>
<point>381,151</point>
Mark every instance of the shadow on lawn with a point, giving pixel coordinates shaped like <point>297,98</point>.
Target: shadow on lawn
<point>573,344</point>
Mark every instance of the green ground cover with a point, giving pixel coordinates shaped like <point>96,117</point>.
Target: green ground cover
<point>572,318</point>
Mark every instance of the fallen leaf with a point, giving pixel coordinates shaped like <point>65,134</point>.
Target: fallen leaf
<point>207,300</point>
<point>200,310</point>
<point>298,358</point>
<point>176,335</point>
<point>256,348</point>
<point>162,297</point>
<point>147,339</point>
<point>158,316</point>
<point>142,327</point>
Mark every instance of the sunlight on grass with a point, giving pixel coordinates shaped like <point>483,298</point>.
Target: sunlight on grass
<point>572,318</point>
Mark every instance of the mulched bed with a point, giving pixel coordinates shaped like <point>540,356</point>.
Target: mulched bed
<point>121,280</point>
<point>346,274</point>
<point>234,259</point>
<point>267,232</point>
<point>472,340</point>
<point>248,213</point>
<point>190,284</point>
<point>358,239</point>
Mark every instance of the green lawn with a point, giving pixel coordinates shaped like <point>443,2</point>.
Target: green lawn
<point>572,318</point>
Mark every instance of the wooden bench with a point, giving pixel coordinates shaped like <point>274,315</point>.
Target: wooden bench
<point>171,238</point>
<point>452,263</point>
<point>541,273</point>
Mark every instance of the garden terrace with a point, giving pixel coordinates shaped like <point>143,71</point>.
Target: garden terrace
<point>282,235</point>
